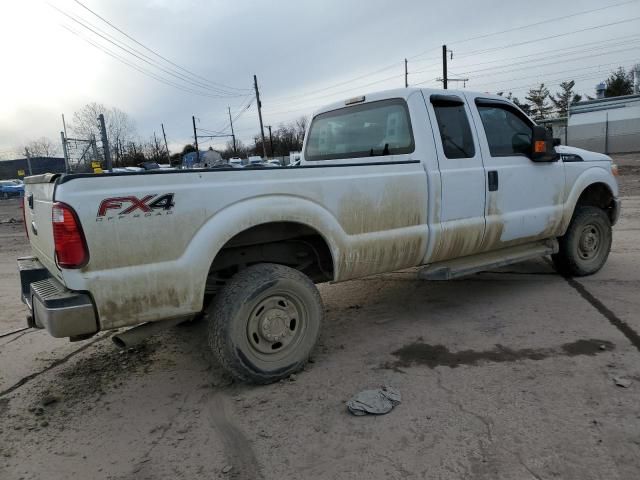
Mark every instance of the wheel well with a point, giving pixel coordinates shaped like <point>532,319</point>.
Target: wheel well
<point>286,243</point>
<point>598,195</point>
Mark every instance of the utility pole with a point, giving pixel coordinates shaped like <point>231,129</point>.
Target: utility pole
<point>444,67</point>
<point>94,147</point>
<point>28,155</point>
<point>406,74</point>
<point>105,143</point>
<point>64,149</point>
<point>270,139</point>
<point>235,150</point>
<point>195,137</point>
<point>264,147</point>
<point>165,143</point>
<point>64,126</point>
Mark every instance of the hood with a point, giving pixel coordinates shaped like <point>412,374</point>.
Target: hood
<point>585,155</point>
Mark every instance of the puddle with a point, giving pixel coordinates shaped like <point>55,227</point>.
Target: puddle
<point>432,356</point>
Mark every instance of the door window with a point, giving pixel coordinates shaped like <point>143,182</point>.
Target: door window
<point>507,133</point>
<point>455,132</point>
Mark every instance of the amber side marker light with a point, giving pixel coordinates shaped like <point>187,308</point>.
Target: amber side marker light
<point>540,146</point>
<point>614,170</point>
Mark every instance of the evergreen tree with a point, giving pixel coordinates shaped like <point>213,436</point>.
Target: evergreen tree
<point>525,107</point>
<point>619,83</point>
<point>563,99</point>
<point>538,98</point>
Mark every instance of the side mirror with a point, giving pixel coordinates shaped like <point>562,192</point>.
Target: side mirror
<point>542,148</point>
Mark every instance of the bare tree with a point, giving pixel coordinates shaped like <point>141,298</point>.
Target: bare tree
<point>42,147</point>
<point>153,151</point>
<point>120,126</point>
<point>301,128</point>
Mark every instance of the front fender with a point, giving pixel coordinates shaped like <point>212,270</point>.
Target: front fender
<point>591,176</point>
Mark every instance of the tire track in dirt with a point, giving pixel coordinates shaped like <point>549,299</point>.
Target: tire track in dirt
<point>236,445</point>
<point>51,366</point>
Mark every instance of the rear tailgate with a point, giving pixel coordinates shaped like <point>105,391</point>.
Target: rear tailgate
<point>38,202</point>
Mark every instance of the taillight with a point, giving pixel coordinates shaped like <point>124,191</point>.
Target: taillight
<point>24,216</point>
<point>70,245</point>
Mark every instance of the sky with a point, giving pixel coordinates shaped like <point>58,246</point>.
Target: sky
<point>305,53</point>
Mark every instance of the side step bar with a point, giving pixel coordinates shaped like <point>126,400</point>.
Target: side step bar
<point>459,267</point>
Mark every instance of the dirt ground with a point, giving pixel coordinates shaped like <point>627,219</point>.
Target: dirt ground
<point>508,374</point>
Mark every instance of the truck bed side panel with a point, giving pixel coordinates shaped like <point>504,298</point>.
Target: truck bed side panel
<point>149,265</point>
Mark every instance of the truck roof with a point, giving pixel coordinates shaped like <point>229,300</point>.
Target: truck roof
<point>400,93</point>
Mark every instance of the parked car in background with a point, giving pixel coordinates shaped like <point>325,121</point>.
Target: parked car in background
<point>11,188</point>
<point>255,161</point>
<point>127,169</point>
<point>274,163</point>
<point>295,158</point>
<point>235,162</point>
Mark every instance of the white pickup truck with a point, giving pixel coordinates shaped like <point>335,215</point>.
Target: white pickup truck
<point>452,181</point>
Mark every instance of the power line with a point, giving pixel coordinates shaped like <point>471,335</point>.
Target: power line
<point>578,48</point>
<point>595,27</point>
<point>238,114</point>
<point>491,71</point>
<point>313,98</point>
<point>544,22</point>
<point>141,69</point>
<point>156,53</point>
<point>544,53</point>
<point>280,100</point>
<point>522,27</point>
<point>147,60</point>
<point>603,69</point>
<point>388,67</point>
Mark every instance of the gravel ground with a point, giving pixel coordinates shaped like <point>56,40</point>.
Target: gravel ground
<point>508,374</point>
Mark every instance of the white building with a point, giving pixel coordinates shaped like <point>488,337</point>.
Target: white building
<point>606,125</point>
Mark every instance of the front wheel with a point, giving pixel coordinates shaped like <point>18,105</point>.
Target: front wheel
<point>264,323</point>
<point>585,247</point>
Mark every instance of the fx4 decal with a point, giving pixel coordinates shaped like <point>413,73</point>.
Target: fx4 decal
<point>149,205</point>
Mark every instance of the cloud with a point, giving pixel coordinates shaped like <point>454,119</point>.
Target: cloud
<point>297,49</point>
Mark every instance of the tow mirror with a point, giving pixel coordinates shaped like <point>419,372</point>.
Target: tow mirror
<point>542,149</point>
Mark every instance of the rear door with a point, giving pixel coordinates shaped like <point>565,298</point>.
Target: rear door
<point>524,198</point>
<point>462,202</point>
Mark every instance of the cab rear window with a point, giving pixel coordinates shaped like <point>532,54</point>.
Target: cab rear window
<point>367,130</point>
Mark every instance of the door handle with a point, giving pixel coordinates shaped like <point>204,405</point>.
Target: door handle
<point>492,180</point>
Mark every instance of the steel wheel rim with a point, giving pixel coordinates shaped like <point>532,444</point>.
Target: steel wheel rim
<point>276,325</point>
<point>589,242</point>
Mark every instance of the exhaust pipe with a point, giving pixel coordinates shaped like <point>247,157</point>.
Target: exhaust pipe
<point>137,334</point>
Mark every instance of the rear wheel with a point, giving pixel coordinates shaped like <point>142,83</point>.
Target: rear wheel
<point>585,247</point>
<point>264,322</point>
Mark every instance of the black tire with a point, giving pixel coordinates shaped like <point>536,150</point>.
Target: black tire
<point>585,246</point>
<point>264,323</point>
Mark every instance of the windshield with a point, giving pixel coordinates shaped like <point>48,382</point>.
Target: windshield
<point>370,129</point>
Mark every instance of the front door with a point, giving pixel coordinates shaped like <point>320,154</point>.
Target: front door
<point>524,198</point>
